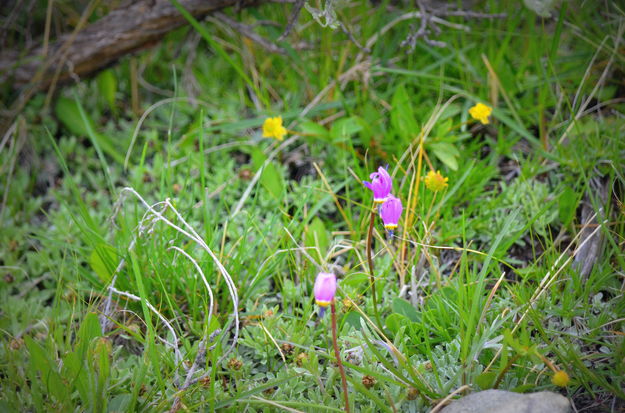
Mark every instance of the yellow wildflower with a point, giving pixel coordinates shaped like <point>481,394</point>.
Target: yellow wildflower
<point>272,128</point>
<point>560,378</point>
<point>434,181</point>
<point>481,112</point>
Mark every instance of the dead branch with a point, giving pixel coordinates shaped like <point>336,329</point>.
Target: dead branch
<point>133,26</point>
<point>249,32</point>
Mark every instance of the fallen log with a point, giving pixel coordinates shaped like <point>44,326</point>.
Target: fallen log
<point>133,26</point>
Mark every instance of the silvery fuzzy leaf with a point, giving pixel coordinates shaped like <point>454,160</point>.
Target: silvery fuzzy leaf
<point>541,7</point>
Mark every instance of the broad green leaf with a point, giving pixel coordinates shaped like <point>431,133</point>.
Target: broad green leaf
<point>317,236</point>
<point>403,307</point>
<point>486,380</point>
<point>313,128</point>
<point>101,364</point>
<point>49,375</point>
<point>447,153</point>
<point>107,86</point>
<point>402,116</point>
<point>89,329</point>
<point>38,358</point>
<point>345,128</point>
<point>68,112</point>
<point>355,280</point>
<point>102,261</point>
<point>352,318</point>
<point>567,204</point>
<point>271,179</point>
<point>75,371</point>
<point>395,321</point>
<point>120,403</point>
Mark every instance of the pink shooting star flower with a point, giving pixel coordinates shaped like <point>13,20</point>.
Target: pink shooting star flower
<point>390,211</point>
<point>381,185</point>
<point>324,290</point>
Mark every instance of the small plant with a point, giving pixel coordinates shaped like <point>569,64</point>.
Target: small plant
<point>324,290</point>
<point>390,209</point>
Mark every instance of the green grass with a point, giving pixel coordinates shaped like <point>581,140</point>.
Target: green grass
<point>482,289</point>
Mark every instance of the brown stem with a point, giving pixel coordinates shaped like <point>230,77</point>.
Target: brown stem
<point>338,358</point>
<point>504,370</point>
<point>371,272</point>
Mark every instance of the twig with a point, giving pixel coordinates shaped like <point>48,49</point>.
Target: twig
<point>248,32</point>
<point>199,356</point>
<point>442,403</point>
<point>297,8</point>
<point>174,345</point>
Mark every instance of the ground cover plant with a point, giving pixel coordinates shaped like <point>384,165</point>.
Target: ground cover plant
<point>447,187</point>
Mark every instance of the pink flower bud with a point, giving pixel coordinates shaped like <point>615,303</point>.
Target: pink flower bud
<point>390,212</point>
<point>381,185</point>
<point>325,288</point>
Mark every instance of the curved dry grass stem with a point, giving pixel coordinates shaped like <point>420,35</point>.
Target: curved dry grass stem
<point>147,112</point>
<point>211,303</point>
<point>146,225</point>
<point>173,346</point>
<point>443,402</point>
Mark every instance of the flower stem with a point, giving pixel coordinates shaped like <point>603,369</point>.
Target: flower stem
<point>337,354</point>
<point>371,274</point>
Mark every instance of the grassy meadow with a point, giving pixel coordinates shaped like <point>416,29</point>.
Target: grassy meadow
<point>157,253</point>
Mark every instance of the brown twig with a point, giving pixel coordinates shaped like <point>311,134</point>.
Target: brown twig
<point>248,32</point>
<point>297,8</point>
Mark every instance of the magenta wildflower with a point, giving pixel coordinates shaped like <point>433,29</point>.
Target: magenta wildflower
<point>325,288</point>
<point>381,185</point>
<point>390,211</point>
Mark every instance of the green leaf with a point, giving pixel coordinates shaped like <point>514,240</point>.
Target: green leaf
<point>567,204</point>
<point>107,86</point>
<point>403,307</point>
<point>523,388</point>
<point>345,128</point>
<point>102,261</point>
<point>271,179</point>
<point>395,321</point>
<point>101,365</point>
<point>313,128</point>
<point>68,112</point>
<point>353,319</point>
<point>402,115</point>
<point>317,236</point>
<point>89,329</point>
<point>443,128</point>
<point>38,358</point>
<point>447,153</point>
<point>486,380</point>
<point>355,280</point>
<point>49,375</point>
<point>120,403</point>
<point>75,371</point>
